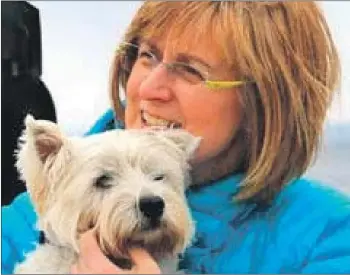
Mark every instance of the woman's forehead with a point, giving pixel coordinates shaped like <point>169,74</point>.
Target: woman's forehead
<point>193,27</point>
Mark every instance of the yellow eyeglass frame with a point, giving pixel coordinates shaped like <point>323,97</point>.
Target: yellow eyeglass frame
<point>213,84</point>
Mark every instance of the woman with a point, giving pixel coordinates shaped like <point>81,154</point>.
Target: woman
<point>255,81</point>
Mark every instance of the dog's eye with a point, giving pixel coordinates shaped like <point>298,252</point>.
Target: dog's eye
<point>103,181</point>
<point>159,177</point>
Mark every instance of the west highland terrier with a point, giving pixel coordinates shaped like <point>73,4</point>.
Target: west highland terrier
<point>126,185</point>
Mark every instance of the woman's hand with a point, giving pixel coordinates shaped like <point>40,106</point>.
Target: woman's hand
<point>92,261</point>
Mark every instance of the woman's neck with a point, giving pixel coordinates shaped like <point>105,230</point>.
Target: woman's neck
<point>229,161</point>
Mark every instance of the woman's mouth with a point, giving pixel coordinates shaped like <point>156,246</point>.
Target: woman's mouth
<point>158,123</point>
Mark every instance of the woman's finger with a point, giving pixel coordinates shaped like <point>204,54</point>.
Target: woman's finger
<point>91,258</point>
<point>143,262</point>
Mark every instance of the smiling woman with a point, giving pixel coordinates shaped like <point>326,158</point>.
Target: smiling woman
<point>254,80</point>
<point>150,97</point>
<point>280,82</point>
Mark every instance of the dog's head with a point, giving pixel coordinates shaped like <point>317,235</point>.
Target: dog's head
<point>128,185</point>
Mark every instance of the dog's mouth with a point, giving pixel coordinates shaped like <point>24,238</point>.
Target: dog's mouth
<point>154,238</point>
<point>158,241</point>
<point>150,225</point>
<point>123,263</point>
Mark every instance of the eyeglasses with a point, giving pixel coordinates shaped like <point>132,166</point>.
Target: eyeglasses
<point>132,53</point>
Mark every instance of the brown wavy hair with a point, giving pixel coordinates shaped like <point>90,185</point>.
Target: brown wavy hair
<point>286,48</point>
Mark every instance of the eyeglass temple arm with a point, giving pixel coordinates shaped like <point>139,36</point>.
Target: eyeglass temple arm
<point>226,84</point>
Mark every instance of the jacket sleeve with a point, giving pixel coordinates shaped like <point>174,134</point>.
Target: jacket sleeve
<point>19,233</point>
<point>331,254</point>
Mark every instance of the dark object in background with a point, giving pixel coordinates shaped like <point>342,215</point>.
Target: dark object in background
<point>21,38</point>
<point>22,90</point>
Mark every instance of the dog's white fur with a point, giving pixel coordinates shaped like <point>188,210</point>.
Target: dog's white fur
<point>61,175</point>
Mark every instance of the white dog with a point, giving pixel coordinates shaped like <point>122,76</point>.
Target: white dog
<point>127,185</point>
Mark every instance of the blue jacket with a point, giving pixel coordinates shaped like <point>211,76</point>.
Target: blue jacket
<point>306,230</point>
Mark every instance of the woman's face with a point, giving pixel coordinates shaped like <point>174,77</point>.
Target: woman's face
<point>159,97</point>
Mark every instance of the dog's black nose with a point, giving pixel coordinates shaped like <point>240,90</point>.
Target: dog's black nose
<point>152,207</point>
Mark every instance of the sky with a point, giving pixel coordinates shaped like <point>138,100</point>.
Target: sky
<point>78,43</point>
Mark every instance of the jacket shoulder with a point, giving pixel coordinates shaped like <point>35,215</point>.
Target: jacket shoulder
<point>318,220</point>
<point>105,122</point>
<point>305,230</point>
<point>317,197</point>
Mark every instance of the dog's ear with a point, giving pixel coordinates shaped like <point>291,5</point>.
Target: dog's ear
<point>183,140</point>
<point>45,136</point>
<point>40,147</point>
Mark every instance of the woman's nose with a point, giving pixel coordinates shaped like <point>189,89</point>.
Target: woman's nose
<point>157,84</point>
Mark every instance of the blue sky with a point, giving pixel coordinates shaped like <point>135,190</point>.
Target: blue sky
<point>79,39</point>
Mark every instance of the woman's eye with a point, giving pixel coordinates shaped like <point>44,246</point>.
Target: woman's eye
<point>158,177</point>
<point>146,55</point>
<point>193,70</point>
<point>147,59</point>
<point>104,181</point>
<point>189,73</point>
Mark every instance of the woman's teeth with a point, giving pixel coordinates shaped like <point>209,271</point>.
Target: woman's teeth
<point>159,122</point>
